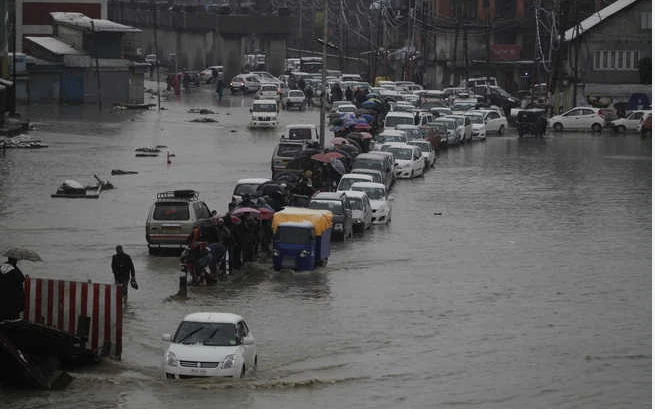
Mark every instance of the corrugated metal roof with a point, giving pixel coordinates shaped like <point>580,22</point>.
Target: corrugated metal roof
<point>54,45</point>
<point>99,25</point>
<point>596,18</point>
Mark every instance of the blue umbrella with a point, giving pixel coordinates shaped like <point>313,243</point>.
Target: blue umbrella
<point>367,117</point>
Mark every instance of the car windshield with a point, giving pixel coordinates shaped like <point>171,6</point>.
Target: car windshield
<point>393,121</point>
<point>356,203</point>
<point>476,119</point>
<point>296,94</point>
<point>269,88</point>
<point>335,206</point>
<point>372,192</point>
<point>288,150</point>
<point>208,334</point>
<point>346,108</point>
<point>413,133</point>
<point>346,182</point>
<point>264,108</point>
<point>401,153</point>
<point>171,211</point>
<point>246,189</point>
<point>368,164</point>
<point>463,106</point>
<point>300,134</point>
<point>392,139</point>
<point>374,176</point>
<point>450,124</point>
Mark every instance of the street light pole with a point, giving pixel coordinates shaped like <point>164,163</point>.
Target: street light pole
<point>324,74</point>
<point>154,30</point>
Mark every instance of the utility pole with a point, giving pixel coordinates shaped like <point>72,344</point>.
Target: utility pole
<point>341,43</point>
<point>577,53</point>
<point>95,53</point>
<point>13,56</point>
<point>324,74</point>
<point>154,30</point>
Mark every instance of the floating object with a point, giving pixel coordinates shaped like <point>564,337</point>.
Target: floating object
<point>203,119</point>
<point>147,152</point>
<point>201,111</point>
<point>122,106</point>
<point>118,172</point>
<point>72,189</point>
<point>22,141</point>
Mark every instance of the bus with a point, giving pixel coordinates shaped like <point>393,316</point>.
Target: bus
<point>311,64</point>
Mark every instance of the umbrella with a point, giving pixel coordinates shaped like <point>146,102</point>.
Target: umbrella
<point>338,166</point>
<point>370,104</point>
<point>245,211</point>
<point>338,141</point>
<point>22,254</point>
<point>367,117</point>
<point>362,126</point>
<point>266,213</point>
<point>327,157</point>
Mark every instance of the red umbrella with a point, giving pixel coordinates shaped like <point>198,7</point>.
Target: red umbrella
<point>327,157</point>
<point>365,136</point>
<point>266,213</point>
<point>245,211</point>
<point>338,140</point>
<point>362,126</point>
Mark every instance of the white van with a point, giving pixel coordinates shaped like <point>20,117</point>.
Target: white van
<point>394,118</point>
<point>303,133</point>
<point>263,113</point>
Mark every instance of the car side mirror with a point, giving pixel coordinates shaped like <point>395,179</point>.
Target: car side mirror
<point>166,337</point>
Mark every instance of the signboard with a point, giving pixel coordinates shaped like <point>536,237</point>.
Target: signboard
<point>505,52</point>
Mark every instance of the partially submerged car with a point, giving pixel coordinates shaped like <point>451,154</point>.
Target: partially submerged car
<point>377,196</point>
<point>210,344</point>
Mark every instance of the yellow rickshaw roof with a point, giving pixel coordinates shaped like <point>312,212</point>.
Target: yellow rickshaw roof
<point>319,219</point>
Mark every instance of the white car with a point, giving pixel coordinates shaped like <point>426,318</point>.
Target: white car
<point>377,196</point>
<point>244,83</point>
<point>467,129</point>
<point>269,91</point>
<point>427,149</point>
<point>294,98</point>
<point>630,123</point>
<point>394,118</point>
<point>210,74</point>
<point>452,138</point>
<point>389,136</point>
<point>578,118</point>
<point>494,120</point>
<point>478,127</point>
<point>263,113</point>
<point>459,127</point>
<point>210,344</point>
<point>361,209</point>
<point>348,179</point>
<point>247,187</point>
<point>409,160</point>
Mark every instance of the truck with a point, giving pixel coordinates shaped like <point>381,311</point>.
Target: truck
<point>301,238</point>
<point>311,64</point>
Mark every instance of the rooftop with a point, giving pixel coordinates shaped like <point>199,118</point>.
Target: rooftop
<point>98,25</point>
<point>54,45</point>
<point>596,18</point>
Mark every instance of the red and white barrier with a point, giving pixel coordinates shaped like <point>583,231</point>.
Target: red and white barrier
<point>58,304</point>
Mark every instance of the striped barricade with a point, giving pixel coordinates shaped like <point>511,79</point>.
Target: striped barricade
<point>60,304</point>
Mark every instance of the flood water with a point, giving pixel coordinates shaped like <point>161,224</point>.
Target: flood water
<point>515,274</point>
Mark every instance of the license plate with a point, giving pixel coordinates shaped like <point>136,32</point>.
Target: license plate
<point>170,230</point>
<point>289,262</point>
<point>197,371</point>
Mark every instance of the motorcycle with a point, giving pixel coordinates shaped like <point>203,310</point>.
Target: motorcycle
<point>205,263</point>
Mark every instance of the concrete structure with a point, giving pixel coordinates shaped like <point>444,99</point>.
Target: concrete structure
<point>608,56</point>
<point>33,16</point>
<point>86,56</point>
<point>193,38</point>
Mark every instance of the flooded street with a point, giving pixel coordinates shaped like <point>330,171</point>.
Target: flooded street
<point>515,274</point>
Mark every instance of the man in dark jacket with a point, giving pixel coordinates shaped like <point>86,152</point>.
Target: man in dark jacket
<point>12,294</point>
<point>123,269</point>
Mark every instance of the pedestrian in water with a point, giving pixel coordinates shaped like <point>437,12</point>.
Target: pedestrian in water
<point>123,269</point>
<point>12,292</point>
<point>349,93</point>
<point>219,88</point>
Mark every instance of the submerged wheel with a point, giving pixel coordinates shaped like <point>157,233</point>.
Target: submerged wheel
<point>254,365</point>
<point>558,127</point>
<point>620,129</point>
<point>501,130</point>
<point>243,371</point>
<point>596,128</point>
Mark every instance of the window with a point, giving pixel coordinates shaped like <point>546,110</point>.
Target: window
<point>586,112</point>
<point>621,60</point>
<point>646,18</point>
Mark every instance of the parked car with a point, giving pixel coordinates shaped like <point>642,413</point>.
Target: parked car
<point>630,123</point>
<point>294,98</point>
<point>494,120</point>
<point>247,187</point>
<point>172,217</point>
<point>376,162</point>
<point>377,195</point>
<point>244,83</point>
<point>349,179</point>
<point>578,118</point>
<point>337,203</point>
<point>306,133</point>
<point>429,155</point>
<point>435,133</point>
<point>466,129</point>
<point>413,131</point>
<point>478,127</point>
<point>375,174</point>
<point>210,344</point>
<point>409,161</point>
<point>451,136</point>
<point>360,207</point>
<point>390,136</point>
<point>283,153</point>
<point>394,118</point>
<point>269,91</point>
<point>263,113</point>
<point>211,73</point>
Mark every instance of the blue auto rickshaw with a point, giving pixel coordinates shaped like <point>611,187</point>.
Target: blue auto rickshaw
<point>301,238</point>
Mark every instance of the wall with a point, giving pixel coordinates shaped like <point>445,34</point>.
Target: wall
<point>114,86</point>
<point>621,31</point>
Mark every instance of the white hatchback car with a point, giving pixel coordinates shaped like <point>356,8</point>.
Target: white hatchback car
<point>409,160</point>
<point>269,91</point>
<point>578,118</point>
<point>479,128</point>
<point>429,154</point>
<point>630,123</point>
<point>361,209</point>
<point>377,196</point>
<point>210,344</point>
<point>495,121</point>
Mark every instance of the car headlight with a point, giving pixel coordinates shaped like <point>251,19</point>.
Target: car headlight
<point>228,362</point>
<point>304,253</point>
<point>276,252</point>
<point>338,226</point>
<point>171,359</point>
